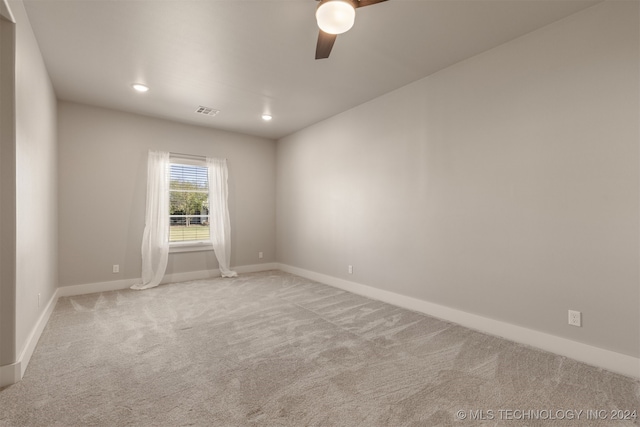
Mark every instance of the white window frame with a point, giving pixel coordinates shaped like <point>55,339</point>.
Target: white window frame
<point>193,245</point>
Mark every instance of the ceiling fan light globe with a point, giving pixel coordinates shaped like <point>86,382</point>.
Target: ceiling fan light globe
<point>335,16</point>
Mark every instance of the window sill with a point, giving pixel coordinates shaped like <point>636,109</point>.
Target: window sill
<point>190,247</point>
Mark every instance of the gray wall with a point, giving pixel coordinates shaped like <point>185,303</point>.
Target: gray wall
<point>7,188</point>
<point>102,191</point>
<point>504,186</point>
<point>36,181</point>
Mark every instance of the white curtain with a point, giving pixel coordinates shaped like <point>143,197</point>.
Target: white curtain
<point>155,241</point>
<point>219,214</point>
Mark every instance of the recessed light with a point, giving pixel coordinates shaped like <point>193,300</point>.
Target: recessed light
<point>266,117</point>
<point>140,87</point>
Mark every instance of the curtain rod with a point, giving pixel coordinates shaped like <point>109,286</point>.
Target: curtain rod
<point>188,156</point>
<point>191,156</point>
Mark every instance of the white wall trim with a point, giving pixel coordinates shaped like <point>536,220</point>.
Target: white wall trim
<point>11,374</point>
<point>117,285</point>
<point>595,356</point>
<point>92,288</point>
<point>36,332</point>
<point>255,268</point>
<point>207,274</point>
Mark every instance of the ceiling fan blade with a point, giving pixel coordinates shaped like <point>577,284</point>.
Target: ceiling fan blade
<point>363,3</point>
<point>325,43</point>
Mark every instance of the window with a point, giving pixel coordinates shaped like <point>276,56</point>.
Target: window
<point>187,210</point>
<point>188,203</point>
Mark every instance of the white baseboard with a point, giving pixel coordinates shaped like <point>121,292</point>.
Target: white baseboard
<point>11,374</point>
<point>116,285</point>
<point>92,288</point>
<point>34,336</point>
<point>243,269</point>
<point>595,356</point>
<point>207,274</point>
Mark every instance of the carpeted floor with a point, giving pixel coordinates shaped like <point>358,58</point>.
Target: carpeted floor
<point>273,349</point>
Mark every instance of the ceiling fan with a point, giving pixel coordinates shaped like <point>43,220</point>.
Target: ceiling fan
<point>336,17</point>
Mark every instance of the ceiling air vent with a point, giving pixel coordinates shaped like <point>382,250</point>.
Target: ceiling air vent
<point>207,111</point>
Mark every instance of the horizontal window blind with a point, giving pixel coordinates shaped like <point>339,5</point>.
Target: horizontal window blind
<point>188,203</point>
<point>189,178</point>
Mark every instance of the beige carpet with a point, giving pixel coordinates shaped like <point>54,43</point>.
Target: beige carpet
<point>272,349</point>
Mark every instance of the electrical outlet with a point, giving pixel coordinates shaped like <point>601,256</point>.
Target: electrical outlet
<point>260,255</point>
<point>116,268</point>
<point>351,269</point>
<point>575,318</point>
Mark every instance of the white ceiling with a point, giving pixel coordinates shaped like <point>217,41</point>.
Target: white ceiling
<point>246,57</point>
